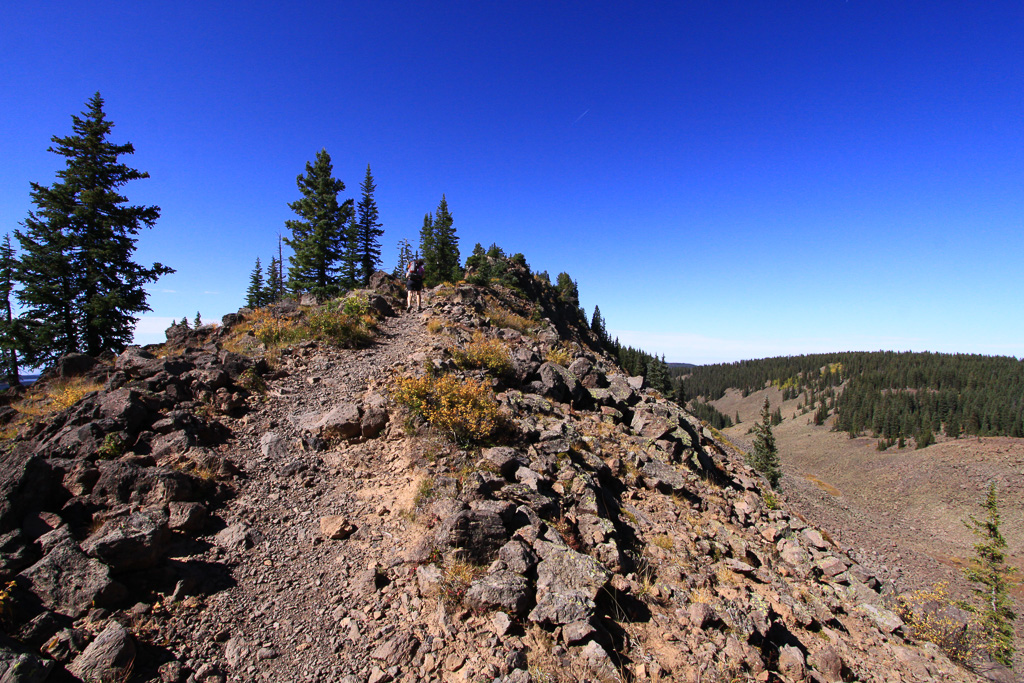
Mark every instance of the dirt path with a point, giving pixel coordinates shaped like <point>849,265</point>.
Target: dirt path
<point>301,606</point>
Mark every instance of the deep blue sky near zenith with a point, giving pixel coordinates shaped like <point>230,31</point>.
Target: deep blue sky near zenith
<point>726,179</point>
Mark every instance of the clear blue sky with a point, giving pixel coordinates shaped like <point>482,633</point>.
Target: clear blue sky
<point>726,179</point>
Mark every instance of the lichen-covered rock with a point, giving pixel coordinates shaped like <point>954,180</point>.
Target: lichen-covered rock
<point>567,584</point>
<point>501,589</point>
<point>137,541</point>
<point>476,534</point>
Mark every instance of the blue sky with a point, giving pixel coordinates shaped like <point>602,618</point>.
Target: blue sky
<point>726,179</point>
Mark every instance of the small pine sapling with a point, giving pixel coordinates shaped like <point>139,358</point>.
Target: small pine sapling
<point>991,575</point>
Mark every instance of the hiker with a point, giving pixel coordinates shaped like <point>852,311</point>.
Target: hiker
<point>414,283</point>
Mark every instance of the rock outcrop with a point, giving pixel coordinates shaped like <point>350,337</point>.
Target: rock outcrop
<point>206,515</point>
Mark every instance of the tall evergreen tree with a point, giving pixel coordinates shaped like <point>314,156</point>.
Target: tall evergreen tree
<point>597,325</point>
<point>80,287</point>
<point>567,289</point>
<point>10,327</point>
<point>991,575</point>
<point>255,294</point>
<point>351,276</point>
<point>765,456</point>
<point>319,234</point>
<point>275,285</point>
<point>369,229</point>
<point>441,249</point>
<point>427,246</point>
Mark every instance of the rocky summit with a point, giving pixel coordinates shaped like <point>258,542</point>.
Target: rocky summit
<point>224,508</point>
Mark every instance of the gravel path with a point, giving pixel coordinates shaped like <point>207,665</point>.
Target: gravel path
<point>302,608</point>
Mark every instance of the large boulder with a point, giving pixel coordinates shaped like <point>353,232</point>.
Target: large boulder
<point>22,667</point>
<point>109,657</point>
<point>136,541</point>
<point>476,534</point>
<point>561,385</point>
<point>68,581</point>
<point>502,589</point>
<point>567,584</point>
<point>27,482</point>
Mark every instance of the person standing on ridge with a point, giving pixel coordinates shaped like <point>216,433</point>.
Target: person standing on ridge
<point>414,283</point>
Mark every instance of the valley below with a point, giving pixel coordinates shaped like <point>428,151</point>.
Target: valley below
<point>901,511</point>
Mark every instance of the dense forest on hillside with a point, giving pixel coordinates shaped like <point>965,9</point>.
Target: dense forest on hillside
<point>889,393</point>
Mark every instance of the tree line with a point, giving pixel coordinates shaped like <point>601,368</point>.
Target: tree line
<point>891,394</point>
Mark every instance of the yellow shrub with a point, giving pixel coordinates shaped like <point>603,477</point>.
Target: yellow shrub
<point>559,354</point>
<point>499,317</point>
<point>488,354</point>
<point>465,410</point>
<point>271,329</point>
<point>435,325</point>
<point>55,397</point>
<point>933,617</point>
<point>346,329</point>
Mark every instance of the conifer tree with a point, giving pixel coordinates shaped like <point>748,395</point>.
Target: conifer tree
<point>198,322</point>
<point>254,296</point>
<point>427,246</point>
<point>992,576</point>
<point>440,247</point>
<point>319,235</point>
<point>275,286</point>
<point>369,230</point>
<point>10,327</point>
<point>597,325</point>
<point>567,289</point>
<point>80,288</point>
<point>405,255</point>
<point>765,456</point>
<point>350,276</point>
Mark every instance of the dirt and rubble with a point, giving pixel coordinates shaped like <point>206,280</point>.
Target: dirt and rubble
<point>276,516</point>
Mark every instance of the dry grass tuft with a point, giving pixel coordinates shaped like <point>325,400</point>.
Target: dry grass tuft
<point>55,397</point>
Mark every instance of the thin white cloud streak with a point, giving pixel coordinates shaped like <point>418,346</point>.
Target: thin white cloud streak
<point>578,118</point>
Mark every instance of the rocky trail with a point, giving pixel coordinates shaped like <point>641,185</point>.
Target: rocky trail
<point>217,510</point>
<point>300,605</point>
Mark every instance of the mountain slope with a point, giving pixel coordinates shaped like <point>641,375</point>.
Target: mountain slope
<point>602,534</point>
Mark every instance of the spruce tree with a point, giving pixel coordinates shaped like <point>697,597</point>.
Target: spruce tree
<point>198,322</point>
<point>369,230</point>
<point>80,288</point>
<point>350,275</point>
<point>10,327</point>
<point>441,247</point>
<point>319,234</point>
<point>765,456</point>
<point>992,576</point>
<point>567,289</point>
<point>427,248</point>
<point>597,325</point>
<point>255,294</point>
<point>275,286</point>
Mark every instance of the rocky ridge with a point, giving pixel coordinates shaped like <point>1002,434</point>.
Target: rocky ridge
<point>212,514</point>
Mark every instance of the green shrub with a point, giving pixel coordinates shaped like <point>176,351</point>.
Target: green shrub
<point>112,447</point>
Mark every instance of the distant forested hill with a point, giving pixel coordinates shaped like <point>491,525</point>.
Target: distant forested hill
<point>888,393</point>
